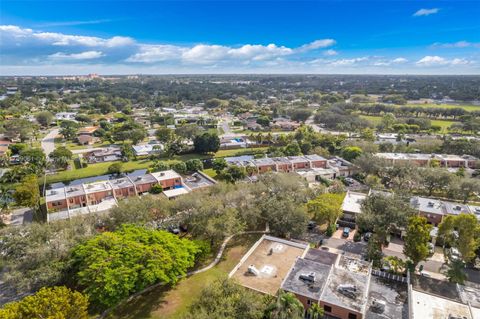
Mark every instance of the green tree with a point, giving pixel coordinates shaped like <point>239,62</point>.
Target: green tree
<point>292,149</point>
<point>456,272</point>
<point>165,135</point>
<point>383,214</point>
<point>315,311</point>
<point>115,168</point>
<point>35,157</point>
<point>113,265</point>
<point>44,118</point>
<point>207,142</point>
<point>326,208</point>
<point>127,151</point>
<point>435,179</point>
<point>27,193</point>
<point>55,302</point>
<point>351,152</point>
<point>287,306</point>
<point>233,173</point>
<point>68,129</point>
<point>462,232</point>
<point>219,164</point>
<point>194,165</point>
<point>179,167</point>
<point>61,156</point>
<point>417,239</point>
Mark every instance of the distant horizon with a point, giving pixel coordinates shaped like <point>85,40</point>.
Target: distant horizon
<point>58,38</point>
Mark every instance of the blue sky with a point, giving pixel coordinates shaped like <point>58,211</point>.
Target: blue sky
<point>126,37</point>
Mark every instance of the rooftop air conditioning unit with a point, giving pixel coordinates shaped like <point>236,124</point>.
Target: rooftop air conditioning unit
<point>378,306</point>
<point>310,277</point>
<point>348,290</point>
<point>430,204</point>
<point>253,270</point>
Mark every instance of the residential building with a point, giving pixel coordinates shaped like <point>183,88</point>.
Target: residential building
<point>343,167</point>
<point>352,206</point>
<point>65,116</point>
<point>443,160</point>
<point>147,149</point>
<point>432,298</point>
<point>102,195</point>
<point>434,210</point>
<point>107,154</point>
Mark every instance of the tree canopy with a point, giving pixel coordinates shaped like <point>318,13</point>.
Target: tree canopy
<point>113,265</point>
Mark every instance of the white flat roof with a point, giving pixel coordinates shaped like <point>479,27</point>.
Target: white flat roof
<point>353,202</point>
<point>175,192</point>
<point>426,306</point>
<point>164,175</point>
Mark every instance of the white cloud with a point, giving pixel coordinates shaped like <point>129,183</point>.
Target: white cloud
<point>348,62</point>
<point>317,44</point>
<point>156,53</point>
<point>426,12</point>
<point>399,60</point>
<point>87,55</point>
<point>330,52</point>
<point>459,44</point>
<point>27,36</point>
<point>72,23</point>
<point>429,61</point>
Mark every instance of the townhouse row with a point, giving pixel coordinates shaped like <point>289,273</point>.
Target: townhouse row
<point>102,195</point>
<point>433,210</point>
<point>314,164</point>
<point>424,160</point>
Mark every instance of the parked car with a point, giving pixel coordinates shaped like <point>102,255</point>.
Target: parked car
<point>349,181</point>
<point>346,231</point>
<point>454,254</point>
<point>431,249</point>
<point>367,236</point>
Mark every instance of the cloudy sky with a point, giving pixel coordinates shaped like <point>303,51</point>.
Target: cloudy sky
<point>158,37</point>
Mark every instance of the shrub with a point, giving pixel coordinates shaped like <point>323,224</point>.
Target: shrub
<point>357,237</point>
<point>331,229</point>
<point>156,189</point>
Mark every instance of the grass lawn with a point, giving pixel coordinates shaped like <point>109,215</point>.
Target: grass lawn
<point>448,106</point>
<point>444,124</point>
<point>173,302</point>
<point>210,172</point>
<point>238,152</point>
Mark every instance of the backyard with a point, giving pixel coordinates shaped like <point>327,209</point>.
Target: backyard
<point>173,302</point>
<point>444,124</point>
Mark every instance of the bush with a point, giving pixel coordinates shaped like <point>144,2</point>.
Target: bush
<point>357,237</point>
<point>156,189</point>
<point>115,168</point>
<point>179,167</point>
<point>331,229</point>
<point>204,249</point>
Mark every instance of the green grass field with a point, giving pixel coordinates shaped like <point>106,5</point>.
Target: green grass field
<point>173,302</point>
<point>448,106</point>
<point>444,124</point>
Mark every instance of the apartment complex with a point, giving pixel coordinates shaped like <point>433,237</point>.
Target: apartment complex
<point>311,167</point>
<point>434,210</point>
<point>443,160</point>
<point>71,200</point>
<point>343,286</point>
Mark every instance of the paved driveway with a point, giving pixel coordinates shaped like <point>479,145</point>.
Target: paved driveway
<point>48,142</point>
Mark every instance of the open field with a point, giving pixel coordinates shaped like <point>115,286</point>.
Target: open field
<point>173,302</point>
<point>469,108</point>
<point>466,107</point>
<point>444,124</point>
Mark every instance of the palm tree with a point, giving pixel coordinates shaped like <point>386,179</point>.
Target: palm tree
<point>315,311</point>
<point>287,306</point>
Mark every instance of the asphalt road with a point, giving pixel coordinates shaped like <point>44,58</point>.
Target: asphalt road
<point>48,142</point>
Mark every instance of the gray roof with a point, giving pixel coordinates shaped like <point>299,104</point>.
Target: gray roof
<point>144,179</point>
<point>393,294</point>
<point>315,157</point>
<point>310,289</point>
<point>121,183</point>
<point>321,256</point>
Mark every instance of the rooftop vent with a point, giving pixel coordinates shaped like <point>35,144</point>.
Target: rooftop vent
<point>310,277</point>
<point>378,306</point>
<point>348,290</point>
<point>458,207</point>
<point>430,204</point>
<point>253,270</point>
